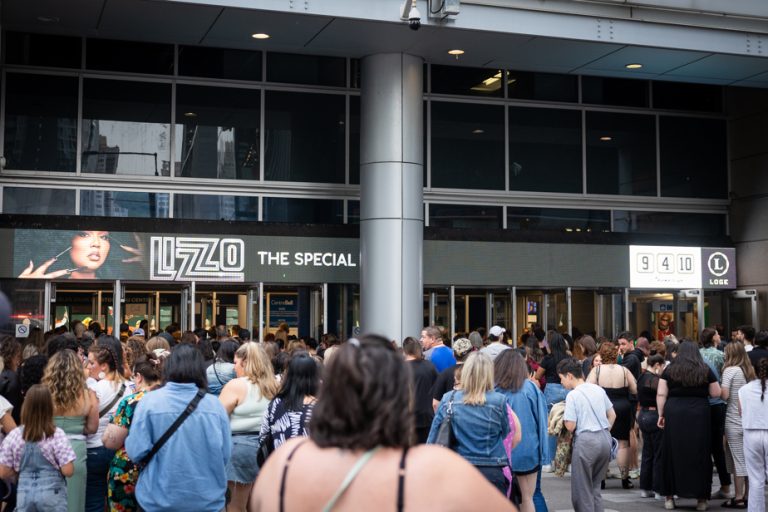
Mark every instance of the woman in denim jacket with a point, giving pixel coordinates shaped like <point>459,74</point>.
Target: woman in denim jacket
<point>480,421</point>
<point>530,406</point>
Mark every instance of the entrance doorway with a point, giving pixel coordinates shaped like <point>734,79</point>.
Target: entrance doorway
<point>87,302</point>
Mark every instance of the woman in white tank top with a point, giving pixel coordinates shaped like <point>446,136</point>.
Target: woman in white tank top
<point>246,398</point>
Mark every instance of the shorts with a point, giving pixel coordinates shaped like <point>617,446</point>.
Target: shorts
<point>242,467</point>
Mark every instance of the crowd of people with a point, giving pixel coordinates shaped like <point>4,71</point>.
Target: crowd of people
<point>213,420</point>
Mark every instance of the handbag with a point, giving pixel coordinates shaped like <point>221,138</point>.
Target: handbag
<point>172,429</point>
<point>266,447</point>
<point>445,435</point>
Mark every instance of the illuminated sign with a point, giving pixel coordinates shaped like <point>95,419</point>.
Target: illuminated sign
<point>676,268</point>
<point>196,259</point>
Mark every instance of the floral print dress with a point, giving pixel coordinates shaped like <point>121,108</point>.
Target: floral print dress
<point>123,473</point>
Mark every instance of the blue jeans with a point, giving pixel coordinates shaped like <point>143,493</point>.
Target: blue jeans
<point>553,393</point>
<point>538,497</point>
<point>495,475</point>
<point>97,465</point>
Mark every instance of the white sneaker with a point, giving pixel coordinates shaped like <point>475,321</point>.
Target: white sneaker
<point>546,468</point>
<point>701,505</point>
<point>634,474</point>
<point>646,494</point>
<point>658,496</point>
<point>669,504</point>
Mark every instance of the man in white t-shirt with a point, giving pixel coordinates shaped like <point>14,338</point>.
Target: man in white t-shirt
<point>497,345</point>
<point>589,415</point>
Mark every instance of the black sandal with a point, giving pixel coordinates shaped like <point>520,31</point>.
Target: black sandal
<point>734,503</point>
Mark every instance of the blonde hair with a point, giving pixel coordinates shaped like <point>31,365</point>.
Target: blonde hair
<point>476,378</point>
<point>156,343</point>
<point>736,355</point>
<point>65,379</point>
<point>257,368</point>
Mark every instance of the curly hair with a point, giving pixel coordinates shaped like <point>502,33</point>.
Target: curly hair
<point>65,378</point>
<point>609,352</point>
<point>10,349</point>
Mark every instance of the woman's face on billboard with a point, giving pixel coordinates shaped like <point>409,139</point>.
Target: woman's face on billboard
<point>90,249</point>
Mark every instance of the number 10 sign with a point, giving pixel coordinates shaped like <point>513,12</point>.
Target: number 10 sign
<point>664,267</point>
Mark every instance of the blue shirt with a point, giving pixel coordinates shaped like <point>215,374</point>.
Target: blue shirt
<point>441,357</point>
<point>530,406</point>
<point>188,473</point>
<point>588,406</point>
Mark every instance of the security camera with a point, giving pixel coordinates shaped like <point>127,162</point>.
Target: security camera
<point>410,13</point>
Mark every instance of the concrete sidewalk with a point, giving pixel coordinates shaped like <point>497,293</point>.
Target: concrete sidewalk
<point>557,492</point>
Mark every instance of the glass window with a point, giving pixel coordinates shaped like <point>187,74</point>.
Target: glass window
<point>219,63</point>
<point>355,73</point>
<point>465,216</point>
<point>306,69</point>
<point>107,203</point>
<point>303,211</point>
<point>614,91</point>
<point>217,132</point>
<point>467,81</point>
<point>353,212</point>
<point>621,154</point>
<point>467,146</point>
<point>305,137</point>
<point>126,127</point>
<point>558,219</point>
<point>354,139</point>
<point>542,86</point>
<point>668,223</point>
<point>694,157</point>
<point>545,150</point>
<point>211,207</point>
<point>42,50</point>
<point>129,56</point>
<point>682,96</point>
<point>40,122</point>
<point>38,201</point>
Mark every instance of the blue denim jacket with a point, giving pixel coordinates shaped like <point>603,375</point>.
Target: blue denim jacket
<point>480,429</point>
<point>529,404</point>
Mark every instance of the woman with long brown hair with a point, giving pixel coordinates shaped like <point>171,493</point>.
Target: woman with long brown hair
<point>76,412</point>
<point>737,371</point>
<point>246,399</point>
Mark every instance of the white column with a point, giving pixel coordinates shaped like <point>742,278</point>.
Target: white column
<point>391,196</point>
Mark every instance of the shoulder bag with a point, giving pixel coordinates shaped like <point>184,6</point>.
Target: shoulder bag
<point>445,435</point>
<point>172,429</point>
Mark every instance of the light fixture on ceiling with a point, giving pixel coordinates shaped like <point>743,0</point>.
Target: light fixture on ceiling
<point>190,114</point>
<point>260,35</point>
<point>48,19</point>
<point>633,65</point>
<point>456,51</point>
<point>478,131</point>
<point>490,84</point>
<point>606,138</point>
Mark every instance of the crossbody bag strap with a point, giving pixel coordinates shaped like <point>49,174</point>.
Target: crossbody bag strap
<point>111,404</point>
<point>173,428</point>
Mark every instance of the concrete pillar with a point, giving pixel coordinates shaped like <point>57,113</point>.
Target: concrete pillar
<point>391,195</point>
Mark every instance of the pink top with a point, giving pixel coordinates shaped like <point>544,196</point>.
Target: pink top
<point>55,449</point>
<point>508,447</point>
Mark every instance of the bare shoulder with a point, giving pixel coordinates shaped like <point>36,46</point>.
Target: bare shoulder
<point>429,464</point>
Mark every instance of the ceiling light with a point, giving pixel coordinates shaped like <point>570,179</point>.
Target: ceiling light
<point>48,19</point>
<point>606,138</point>
<point>456,52</point>
<point>478,131</point>
<point>260,35</point>
<point>190,114</point>
<point>633,66</point>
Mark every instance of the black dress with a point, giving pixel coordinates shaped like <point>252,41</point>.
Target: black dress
<point>619,397</point>
<point>686,455</point>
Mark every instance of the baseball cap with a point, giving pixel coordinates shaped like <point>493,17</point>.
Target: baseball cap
<point>138,332</point>
<point>496,331</point>
<point>462,346</point>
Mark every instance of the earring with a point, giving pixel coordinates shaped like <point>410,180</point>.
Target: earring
<point>102,375</point>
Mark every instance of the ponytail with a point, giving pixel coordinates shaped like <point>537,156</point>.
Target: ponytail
<point>762,374</point>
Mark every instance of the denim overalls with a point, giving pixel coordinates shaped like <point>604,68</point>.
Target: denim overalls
<point>42,488</point>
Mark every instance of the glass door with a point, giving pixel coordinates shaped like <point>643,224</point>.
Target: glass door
<point>88,303</point>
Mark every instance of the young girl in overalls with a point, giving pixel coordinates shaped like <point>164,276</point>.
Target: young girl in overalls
<point>40,454</point>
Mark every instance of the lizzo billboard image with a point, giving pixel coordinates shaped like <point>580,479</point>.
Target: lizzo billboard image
<point>108,255</point>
